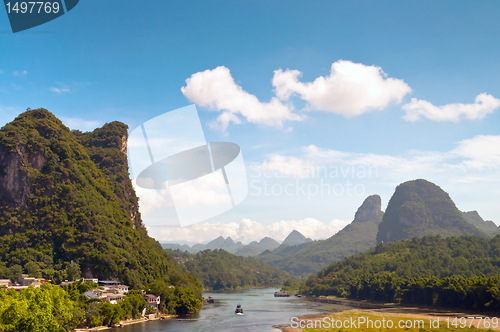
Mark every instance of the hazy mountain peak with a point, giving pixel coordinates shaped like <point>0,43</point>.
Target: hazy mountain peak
<point>487,226</point>
<point>295,237</point>
<point>371,209</point>
<point>267,241</point>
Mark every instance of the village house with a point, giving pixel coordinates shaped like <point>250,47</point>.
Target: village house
<point>96,294</point>
<point>23,282</point>
<point>119,289</point>
<point>152,300</point>
<point>5,282</point>
<point>26,280</point>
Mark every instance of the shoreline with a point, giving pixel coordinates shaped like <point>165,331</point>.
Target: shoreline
<point>124,323</point>
<point>383,310</point>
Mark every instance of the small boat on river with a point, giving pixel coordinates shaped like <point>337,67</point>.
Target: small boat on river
<point>239,310</point>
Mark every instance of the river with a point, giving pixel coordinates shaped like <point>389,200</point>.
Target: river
<point>261,311</point>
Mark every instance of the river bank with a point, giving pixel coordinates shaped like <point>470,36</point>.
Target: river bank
<point>124,323</point>
<point>370,316</point>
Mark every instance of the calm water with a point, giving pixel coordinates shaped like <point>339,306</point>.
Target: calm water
<point>261,311</point>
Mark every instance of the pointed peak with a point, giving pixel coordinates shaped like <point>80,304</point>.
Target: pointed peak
<point>371,209</point>
<point>39,113</point>
<point>295,237</point>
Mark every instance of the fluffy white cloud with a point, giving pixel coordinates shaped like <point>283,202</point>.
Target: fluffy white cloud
<point>351,88</point>
<point>472,159</point>
<point>250,230</point>
<point>217,89</point>
<point>203,192</point>
<point>483,105</point>
<point>59,91</point>
<point>480,151</point>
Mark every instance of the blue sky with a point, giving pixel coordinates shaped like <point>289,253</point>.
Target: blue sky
<point>127,60</point>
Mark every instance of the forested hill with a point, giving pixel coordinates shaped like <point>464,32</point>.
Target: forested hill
<point>419,208</point>
<point>428,270</point>
<point>67,206</point>
<point>220,269</point>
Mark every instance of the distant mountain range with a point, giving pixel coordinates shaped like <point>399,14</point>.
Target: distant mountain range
<point>310,257</point>
<point>417,208</point>
<point>254,248</point>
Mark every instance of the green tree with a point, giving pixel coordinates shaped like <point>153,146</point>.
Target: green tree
<point>33,269</point>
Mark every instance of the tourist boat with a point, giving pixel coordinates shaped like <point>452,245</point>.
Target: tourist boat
<point>239,310</point>
<point>210,299</point>
<point>281,294</point>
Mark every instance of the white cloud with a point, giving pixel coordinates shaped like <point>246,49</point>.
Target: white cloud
<point>20,73</point>
<point>224,120</point>
<point>152,200</point>
<point>480,151</point>
<point>206,191</point>
<point>217,89</point>
<point>483,105</point>
<point>77,123</point>
<point>471,160</point>
<point>250,230</point>
<point>351,88</point>
<point>59,91</point>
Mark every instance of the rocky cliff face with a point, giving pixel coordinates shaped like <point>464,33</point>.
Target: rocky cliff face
<point>371,209</point>
<point>14,182</point>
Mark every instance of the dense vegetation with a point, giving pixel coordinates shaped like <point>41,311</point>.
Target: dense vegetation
<point>48,308</point>
<point>54,308</point>
<point>67,208</point>
<point>220,270</point>
<point>311,257</point>
<point>457,271</point>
